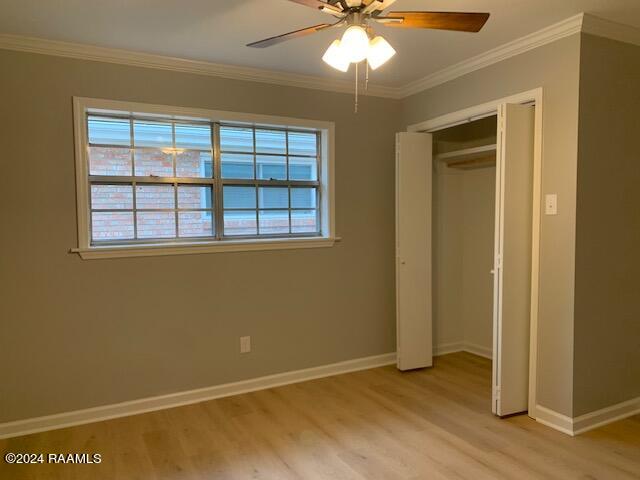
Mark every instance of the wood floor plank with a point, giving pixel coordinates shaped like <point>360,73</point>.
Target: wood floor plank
<point>431,424</point>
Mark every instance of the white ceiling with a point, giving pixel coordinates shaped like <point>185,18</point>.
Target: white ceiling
<point>217,30</point>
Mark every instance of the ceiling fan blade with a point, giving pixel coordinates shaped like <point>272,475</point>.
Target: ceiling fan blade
<point>303,32</point>
<point>377,5</point>
<point>326,7</point>
<point>461,22</point>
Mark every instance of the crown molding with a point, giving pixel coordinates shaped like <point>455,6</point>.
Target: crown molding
<point>565,28</point>
<point>148,60</point>
<point>613,30</point>
<point>578,23</point>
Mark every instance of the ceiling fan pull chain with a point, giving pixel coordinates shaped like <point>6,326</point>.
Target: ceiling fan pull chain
<point>366,78</point>
<point>356,103</point>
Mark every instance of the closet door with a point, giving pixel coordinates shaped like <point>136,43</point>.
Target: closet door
<point>413,250</point>
<point>512,279</point>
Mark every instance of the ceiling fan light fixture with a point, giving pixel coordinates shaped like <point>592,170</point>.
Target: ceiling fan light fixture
<point>355,43</point>
<point>358,41</point>
<point>380,51</point>
<point>335,57</point>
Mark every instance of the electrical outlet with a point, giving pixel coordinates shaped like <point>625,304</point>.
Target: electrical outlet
<point>245,344</point>
<point>551,204</point>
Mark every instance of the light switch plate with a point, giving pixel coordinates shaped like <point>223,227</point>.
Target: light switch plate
<point>245,344</point>
<point>551,204</point>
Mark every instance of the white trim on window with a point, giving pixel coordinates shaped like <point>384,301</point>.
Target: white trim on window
<point>185,248</point>
<point>327,205</point>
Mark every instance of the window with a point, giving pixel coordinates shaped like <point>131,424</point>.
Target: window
<point>269,181</point>
<point>154,179</point>
<point>149,180</point>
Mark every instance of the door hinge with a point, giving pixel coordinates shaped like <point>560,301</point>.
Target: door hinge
<point>498,262</point>
<point>496,393</point>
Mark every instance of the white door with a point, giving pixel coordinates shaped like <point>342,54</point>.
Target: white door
<point>512,269</point>
<point>413,250</point>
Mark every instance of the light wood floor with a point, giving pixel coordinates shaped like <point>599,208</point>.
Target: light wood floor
<point>376,424</point>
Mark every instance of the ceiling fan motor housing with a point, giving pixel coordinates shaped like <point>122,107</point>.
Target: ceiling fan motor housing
<point>356,18</point>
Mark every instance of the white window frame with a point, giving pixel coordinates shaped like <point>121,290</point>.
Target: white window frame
<point>82,106</point>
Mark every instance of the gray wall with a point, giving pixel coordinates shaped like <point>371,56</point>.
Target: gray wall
<point>479,197</point>
<point>77,334</point>
<point>464,212</point>
<point>607,305</point>
<point>447,244</point>
<point>555,67</point>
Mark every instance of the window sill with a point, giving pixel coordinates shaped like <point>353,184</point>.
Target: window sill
<point>124,251</point>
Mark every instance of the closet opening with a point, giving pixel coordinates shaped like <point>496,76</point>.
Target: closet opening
<point>463,233</point>
<point>467,245</point>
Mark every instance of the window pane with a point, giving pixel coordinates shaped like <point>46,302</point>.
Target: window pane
<point>240,222</point>
<point>303,168</point>
<point>109,131</point>
<point>273,221</point>
<point>110,161</point>
<point>193,163</point>
<point>271,167</point>
<point>150,162</point>
<point>193,136</point>
<point>112,197</point>
<point>271,141</point>
<point>303,197</point>
<point>236,139</point>
<point>237,166</point>
<point>194,196</point>
<point>195,224</point>
<point>152,134</point>
<point>155,196</point>
<point>239,197</point>
<point>156,224</point>
<point>273,197</point>
<point>304,221</point>
<point>302,143</point>
<point>111,226</point>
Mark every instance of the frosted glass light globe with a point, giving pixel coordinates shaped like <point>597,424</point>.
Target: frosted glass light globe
<point>355,44</point>
<point>335,57</point>
<point>379,52</point>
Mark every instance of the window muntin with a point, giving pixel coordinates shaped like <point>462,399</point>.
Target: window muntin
<point>154,180</point>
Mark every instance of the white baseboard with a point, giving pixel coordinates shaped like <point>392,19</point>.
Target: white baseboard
<point>588,421</point>
<point>445,348</point>
<point>486,352</point>
<point>134,407</point>
<point>553,419</point>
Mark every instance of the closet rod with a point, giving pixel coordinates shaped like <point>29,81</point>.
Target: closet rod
<point>473,163</point>
<point>467,153</point>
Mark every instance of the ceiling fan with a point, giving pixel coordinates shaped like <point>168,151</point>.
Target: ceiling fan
<point>358,42</point>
